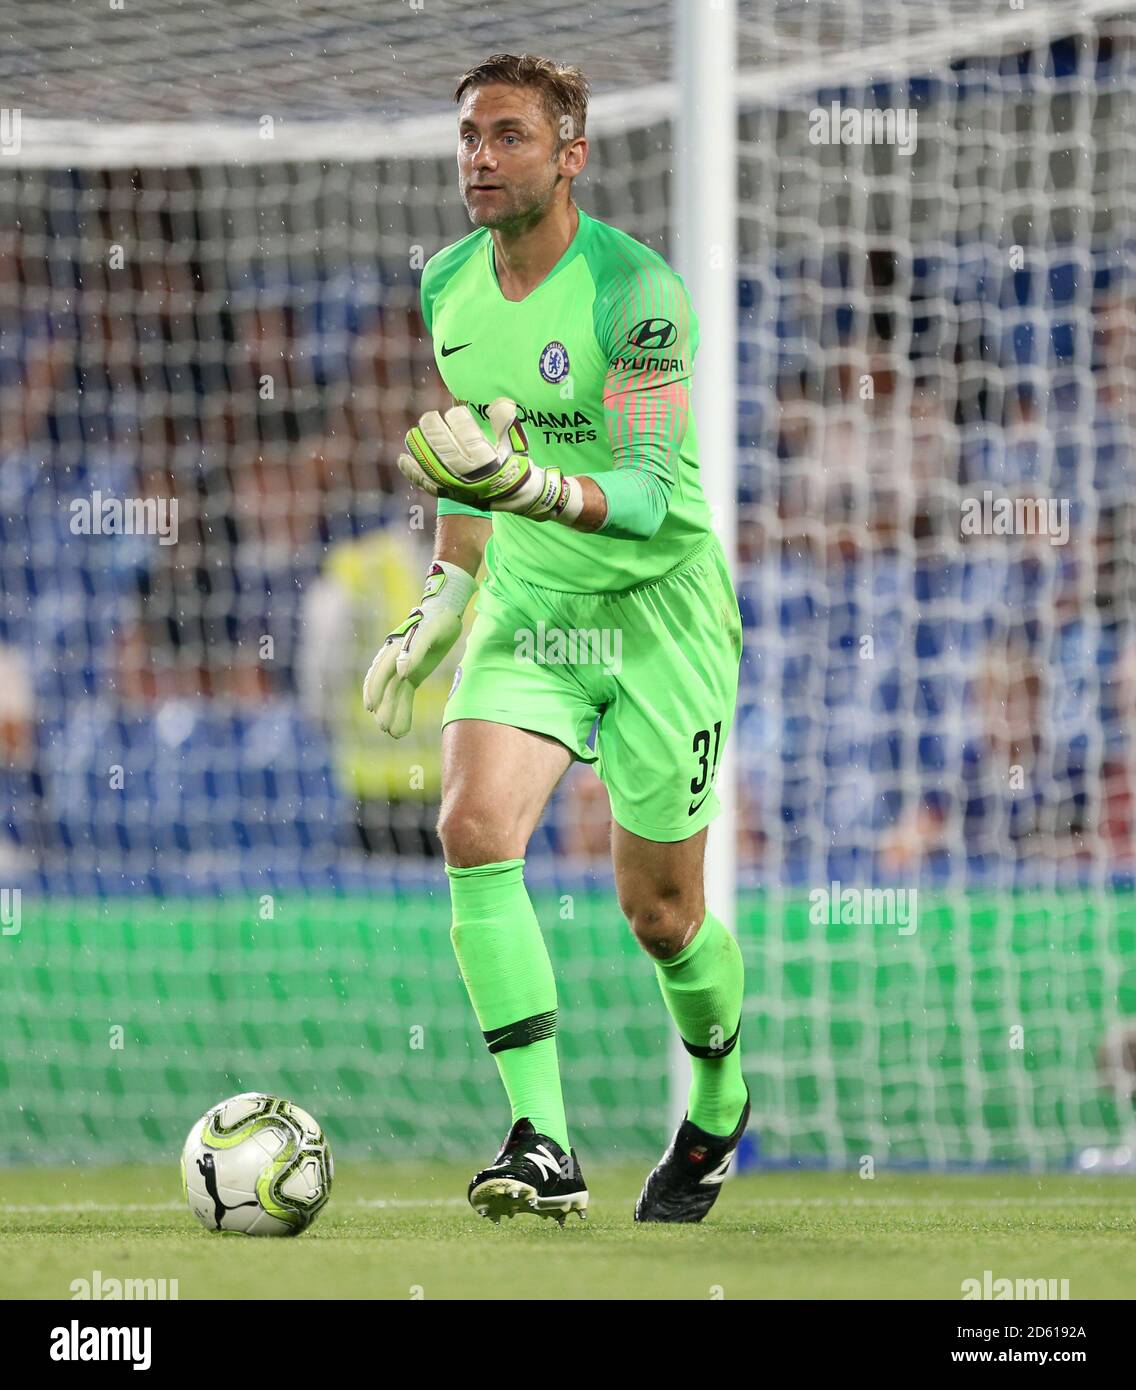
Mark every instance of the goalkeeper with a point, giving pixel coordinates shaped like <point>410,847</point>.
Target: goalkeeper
<point>571,466</point>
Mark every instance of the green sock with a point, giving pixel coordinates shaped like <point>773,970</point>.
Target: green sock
<point>702,989</point>
<point>505,966</point>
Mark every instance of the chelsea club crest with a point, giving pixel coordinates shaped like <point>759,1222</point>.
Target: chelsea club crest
<point>554,362</point>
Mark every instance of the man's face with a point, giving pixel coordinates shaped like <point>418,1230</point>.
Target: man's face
<point>509,161</point>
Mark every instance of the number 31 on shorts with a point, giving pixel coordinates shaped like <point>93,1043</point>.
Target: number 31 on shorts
<point>702,783</point>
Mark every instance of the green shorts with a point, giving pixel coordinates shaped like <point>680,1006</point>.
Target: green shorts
<point>657,665</point>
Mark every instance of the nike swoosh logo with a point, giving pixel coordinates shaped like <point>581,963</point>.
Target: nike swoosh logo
<point>695,805</point>
<point>447,352</point>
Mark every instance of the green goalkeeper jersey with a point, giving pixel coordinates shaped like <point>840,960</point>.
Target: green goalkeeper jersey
<point>598,359</point>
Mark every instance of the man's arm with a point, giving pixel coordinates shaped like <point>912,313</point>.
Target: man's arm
<point>594,512</point>
<point>646,425</point>
<point>646,396</point>
<point>464,545</point>
<point>460,539</point>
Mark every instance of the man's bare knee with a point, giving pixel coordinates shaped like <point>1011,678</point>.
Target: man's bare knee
<point>496,781</point>
<point>663,922</point>
<point>470,837</point>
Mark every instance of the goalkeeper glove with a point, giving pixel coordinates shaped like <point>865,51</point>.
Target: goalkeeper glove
<point>451,458</point>
<point>412,651</point>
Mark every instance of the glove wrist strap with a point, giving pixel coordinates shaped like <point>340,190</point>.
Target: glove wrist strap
<point>571,502</point>
<point>448,586</point>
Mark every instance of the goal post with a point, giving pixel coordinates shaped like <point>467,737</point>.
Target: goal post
<point>705,255</point>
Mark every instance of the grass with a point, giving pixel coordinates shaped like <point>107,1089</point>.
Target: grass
<point>400,1232</point>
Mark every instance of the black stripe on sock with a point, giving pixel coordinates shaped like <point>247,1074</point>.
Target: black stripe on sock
<point>535,1028</point>
<point>709,1054</point>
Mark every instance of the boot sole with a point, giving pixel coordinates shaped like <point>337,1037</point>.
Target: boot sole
<point>499,1197</point>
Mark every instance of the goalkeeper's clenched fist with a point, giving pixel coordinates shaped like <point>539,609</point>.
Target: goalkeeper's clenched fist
<point>450,457</point>
<point>416,646</point>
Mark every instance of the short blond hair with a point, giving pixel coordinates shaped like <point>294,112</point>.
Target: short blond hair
<point>563,89</point>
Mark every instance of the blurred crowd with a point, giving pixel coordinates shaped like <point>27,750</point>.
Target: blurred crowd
<point>923,701</point>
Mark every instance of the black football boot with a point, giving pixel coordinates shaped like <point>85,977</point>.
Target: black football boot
<point>686,1182</point>
<point>532,1173</point>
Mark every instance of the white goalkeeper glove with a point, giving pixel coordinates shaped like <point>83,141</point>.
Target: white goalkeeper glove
<point>450,457</point>
<point>412,651</point>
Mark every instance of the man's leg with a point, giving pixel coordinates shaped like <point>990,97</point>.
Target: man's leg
<point>496,781</point>
<point>697,963</point>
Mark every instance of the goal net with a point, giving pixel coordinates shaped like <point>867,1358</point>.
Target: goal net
<point>218,876</point>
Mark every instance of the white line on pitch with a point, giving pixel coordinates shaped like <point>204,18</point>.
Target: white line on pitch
<point>78,1208</point>
<point>378,1203</point>
<point>929,1200</point>
<point>26,1208</point>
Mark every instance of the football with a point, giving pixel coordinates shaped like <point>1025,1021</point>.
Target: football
<point>256,1164</point>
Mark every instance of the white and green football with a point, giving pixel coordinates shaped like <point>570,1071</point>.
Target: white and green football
<point>256,1164</point>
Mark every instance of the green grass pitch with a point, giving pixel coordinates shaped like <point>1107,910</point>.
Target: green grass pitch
<point>395,1232</point>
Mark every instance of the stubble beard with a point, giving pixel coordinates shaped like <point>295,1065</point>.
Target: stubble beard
<point>524,209</point>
